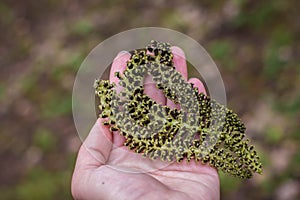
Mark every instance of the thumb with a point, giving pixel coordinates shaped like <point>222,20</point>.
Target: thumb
<point>93,153</point>
<point>96,148</point>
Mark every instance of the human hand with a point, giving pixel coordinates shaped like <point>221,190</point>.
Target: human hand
<point>105,169</point>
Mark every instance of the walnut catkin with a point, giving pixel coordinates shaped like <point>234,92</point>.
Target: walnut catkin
<point>202,129</point>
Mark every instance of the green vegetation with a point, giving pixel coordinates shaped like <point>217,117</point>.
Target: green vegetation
<point>56,106</point>
<point>2,91</point>
<point>222,51</point>
<point>44,139</point>
<point>82,27</point>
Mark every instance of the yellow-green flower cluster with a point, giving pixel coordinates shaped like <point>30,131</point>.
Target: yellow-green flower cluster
<point>201,129</point>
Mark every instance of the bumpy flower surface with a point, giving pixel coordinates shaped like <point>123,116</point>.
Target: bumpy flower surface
<point>201,129</point>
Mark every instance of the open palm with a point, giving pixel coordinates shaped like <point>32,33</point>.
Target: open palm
<point>105,169</point>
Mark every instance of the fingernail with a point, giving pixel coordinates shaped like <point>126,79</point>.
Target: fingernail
<point>121,53</point>
<point>177,51</point>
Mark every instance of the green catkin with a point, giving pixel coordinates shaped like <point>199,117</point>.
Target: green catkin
<point>201,129</point>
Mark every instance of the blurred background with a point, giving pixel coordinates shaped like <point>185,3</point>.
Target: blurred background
<point>42,44</point>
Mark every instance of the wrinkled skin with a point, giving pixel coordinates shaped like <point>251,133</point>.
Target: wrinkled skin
<point>105,169</point>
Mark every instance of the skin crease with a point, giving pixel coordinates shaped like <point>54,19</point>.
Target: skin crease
<point>95,176</point>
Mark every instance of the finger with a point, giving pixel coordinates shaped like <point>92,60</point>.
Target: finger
<point>181,66</point>
<point>179,61</point>
<point>96,148</point>
<point>118,65</point>
<point>198,84</point>
<point>151,90</point>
